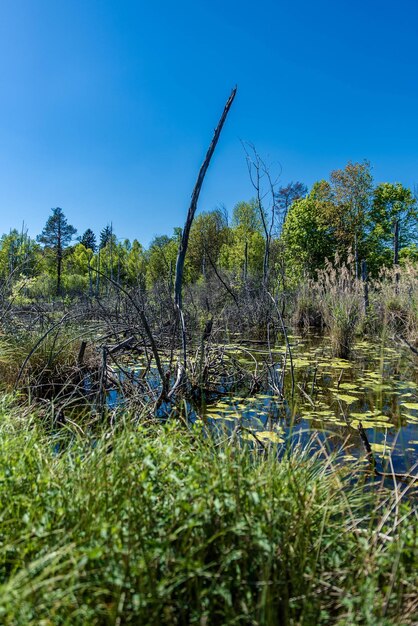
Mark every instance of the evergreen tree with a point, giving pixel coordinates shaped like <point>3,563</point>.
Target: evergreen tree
<point>56,235</point>
<point>107,236</point>
<point>88,240</point>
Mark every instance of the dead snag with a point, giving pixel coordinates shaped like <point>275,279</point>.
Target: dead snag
<point>184,241</point>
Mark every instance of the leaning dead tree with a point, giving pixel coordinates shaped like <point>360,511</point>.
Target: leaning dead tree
<point>178,286</point>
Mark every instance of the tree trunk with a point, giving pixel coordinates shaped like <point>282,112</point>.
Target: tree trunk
<point>266,261</point>
<point>98,274</point>
<point>396,254</point>
<point>356,255</point>
<point>59,266</point>
<point>59,257</point>
<point>184,241</point>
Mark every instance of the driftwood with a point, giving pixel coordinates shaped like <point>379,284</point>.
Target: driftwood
<point>126,343</point>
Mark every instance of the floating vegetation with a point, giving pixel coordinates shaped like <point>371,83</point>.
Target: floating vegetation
<point>377,389</point>
<point>346,398</point>
<point>380,448</point>
<point>266,435</point>
<point>410,405</point>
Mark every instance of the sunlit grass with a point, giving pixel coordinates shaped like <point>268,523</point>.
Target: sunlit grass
<point>164,525</point>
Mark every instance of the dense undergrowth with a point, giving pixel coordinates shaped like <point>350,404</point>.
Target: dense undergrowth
<point>159,524</point>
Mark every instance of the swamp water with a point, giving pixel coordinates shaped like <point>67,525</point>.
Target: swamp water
<point>378,387</point>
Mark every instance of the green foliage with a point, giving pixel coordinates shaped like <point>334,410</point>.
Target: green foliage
<point>247,216</point>
<point>107,236</point>
<point>19,255</point>
<point>391,203</point>
<point>80,259</point>
<point>285,196</point>
<point>27,290</point>
<point>136,264</point>
<point>352,194</point>
<point>348,214</point>
<point>161,261</point>
<point>243,244</point>
<point>409,254</point>
<point>307,235</point>
<point>57,233</point>
<point>342,215</point>
<point>207,235</point>
<point>56,236</point>
<point>158,525</point>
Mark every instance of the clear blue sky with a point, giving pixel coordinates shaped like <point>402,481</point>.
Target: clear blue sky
<point>107,106</point>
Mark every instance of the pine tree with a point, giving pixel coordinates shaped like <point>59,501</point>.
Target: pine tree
<point>56,235</point>
<point>88,240</point>
<point>106,236</point>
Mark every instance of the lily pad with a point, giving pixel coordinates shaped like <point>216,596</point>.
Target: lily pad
<point>268,435</point>
<point>413,406</point>
<point>346,398</point>
<point>380,448</point>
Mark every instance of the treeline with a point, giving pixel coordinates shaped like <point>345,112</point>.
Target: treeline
<point>282,235</point>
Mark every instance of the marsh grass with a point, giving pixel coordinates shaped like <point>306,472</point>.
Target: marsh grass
<point>51,368</point>
<point>397,301</point>
<point>337,294</point>
<point>159,524</point>
<point>307,312</point>
<point>335,300</point>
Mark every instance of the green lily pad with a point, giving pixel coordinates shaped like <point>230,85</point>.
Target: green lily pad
<point>413,406</point>
<point>268,435</point>
<point>346,398</point>
<point>380,448</point>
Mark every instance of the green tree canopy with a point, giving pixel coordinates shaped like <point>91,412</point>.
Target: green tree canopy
<point>19,255</point>
<point>307,234</point>
<point>392,203</point>
<point>207,235</point>
<point>106,236</point>
<point>247,215</point>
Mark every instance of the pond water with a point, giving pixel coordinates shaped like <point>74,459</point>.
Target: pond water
<point>378,387</point>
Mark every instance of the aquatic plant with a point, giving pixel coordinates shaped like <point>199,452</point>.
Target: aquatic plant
<point>340,295</point>
<point>307,309</point>
<point>398,297</point>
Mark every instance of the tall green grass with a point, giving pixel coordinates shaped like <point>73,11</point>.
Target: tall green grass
<point>159,524</point>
